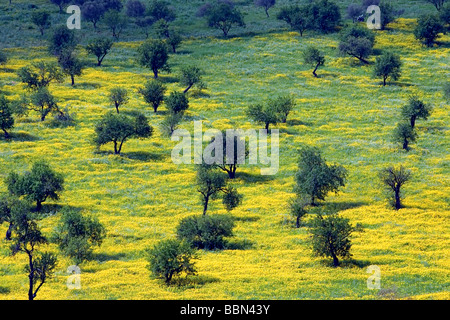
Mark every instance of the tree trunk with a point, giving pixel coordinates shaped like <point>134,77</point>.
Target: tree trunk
<point>155,73</point>
<point>384,81</point>
<point>267,126</point>
<point>298,222</point>
<point>9,231</point>
<point>267,12</point>
<point>30,276</point>
<point>335,260</point>
<point>38,205</point>
<point>73,79</point>
<point>413,121</point>
<point>398,203</point>
<point>6,134</point>
<point>405,144</point>
<point>115,147</point>
<point>205,206</point>
<point>187,89</point>
<point>314,72</point>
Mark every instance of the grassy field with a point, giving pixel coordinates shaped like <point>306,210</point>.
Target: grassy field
<point>141,196</point>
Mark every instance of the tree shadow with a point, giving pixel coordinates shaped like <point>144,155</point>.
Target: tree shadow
<point>20,136</point>
<point>105,257</point>
<point>51,209</point>
<point>246,219</point>
<point>239,244</point>
<point>7,70</point>
<point>199,94</point>
<point>356,263</point>
<point>190,282</point>
<point>4,290</point>
<point>184,51</point>
<point>87,85</point>
<point>168,79</point>
<point>143,156</point>
<point>248,177</point>
<point>296,122</point>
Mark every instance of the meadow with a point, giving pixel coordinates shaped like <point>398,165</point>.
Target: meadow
<point>140,196</point>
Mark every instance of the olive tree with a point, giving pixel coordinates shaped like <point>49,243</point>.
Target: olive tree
<point>171,257</point>
<point>118,128</point>
<point>191,76</point>
<point>76,235</point>
<point>416,109</point>
<point>428,29</point>
<point>388,65</point>
<point>312,56</point>
<point>153,93</point>
<point>211,184</point>
<point>394,178</point>
<point>224,15</point>
<point>357,42</point>
<point>330,236</point>
<point>41,19</point>
<point>99,47</point>
<point>315,178</point>
<point>39,184</point>
<point>27,238</point>
<point>6,116</point>
<point>118,96</point>
<point>404,134</point>
<point>153,54</point>
<point>266,5</point>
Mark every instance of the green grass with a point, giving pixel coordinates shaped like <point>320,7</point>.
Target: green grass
<point>141,196</point>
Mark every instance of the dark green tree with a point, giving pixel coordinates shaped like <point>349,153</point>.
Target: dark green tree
<point>416,109</point>
<point>296,17</point>
<point>263,114</point>
<point>233,154</point>
<point>93,11</point>
<point>283,105</point>
<point>118,96</point>
<point>388,65</point>
<point>6,116</point>
<point>315,178</point>
<point>298,207</point>
<point>71,65</point>
<point>211,184</point>
<point>312,56</point>
<point>37,185</point>
<point>394,179</point>
<point>387,13</point>
<point>206,232</point>
<point>27,238</point>
<point>153,54</point>
<point>357,42</point>
<point>224,15</point>
<point>3,58</point>
<point>99,47</point>
<point>324,15</point>
<point>266,4</point>
<point>330,237</point>
<point>153,93</point>
<point>62,40</point>
<point>177,102</point>
<point>76,235</point>
<point>11,208</point>
<point>404,134</point>
<point>168,34</point>
<point>43,102</point>
<point>60,4</point>
<point>171,257</point>
<point>170,123</point>
<point>191,76</point>
<point>115,21</point>
<point>40,74</point>
<point>118,128</point>
<point>160,9</point>
<point>439,4</point>
<point>428,29</point>
<point>41,19</point>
